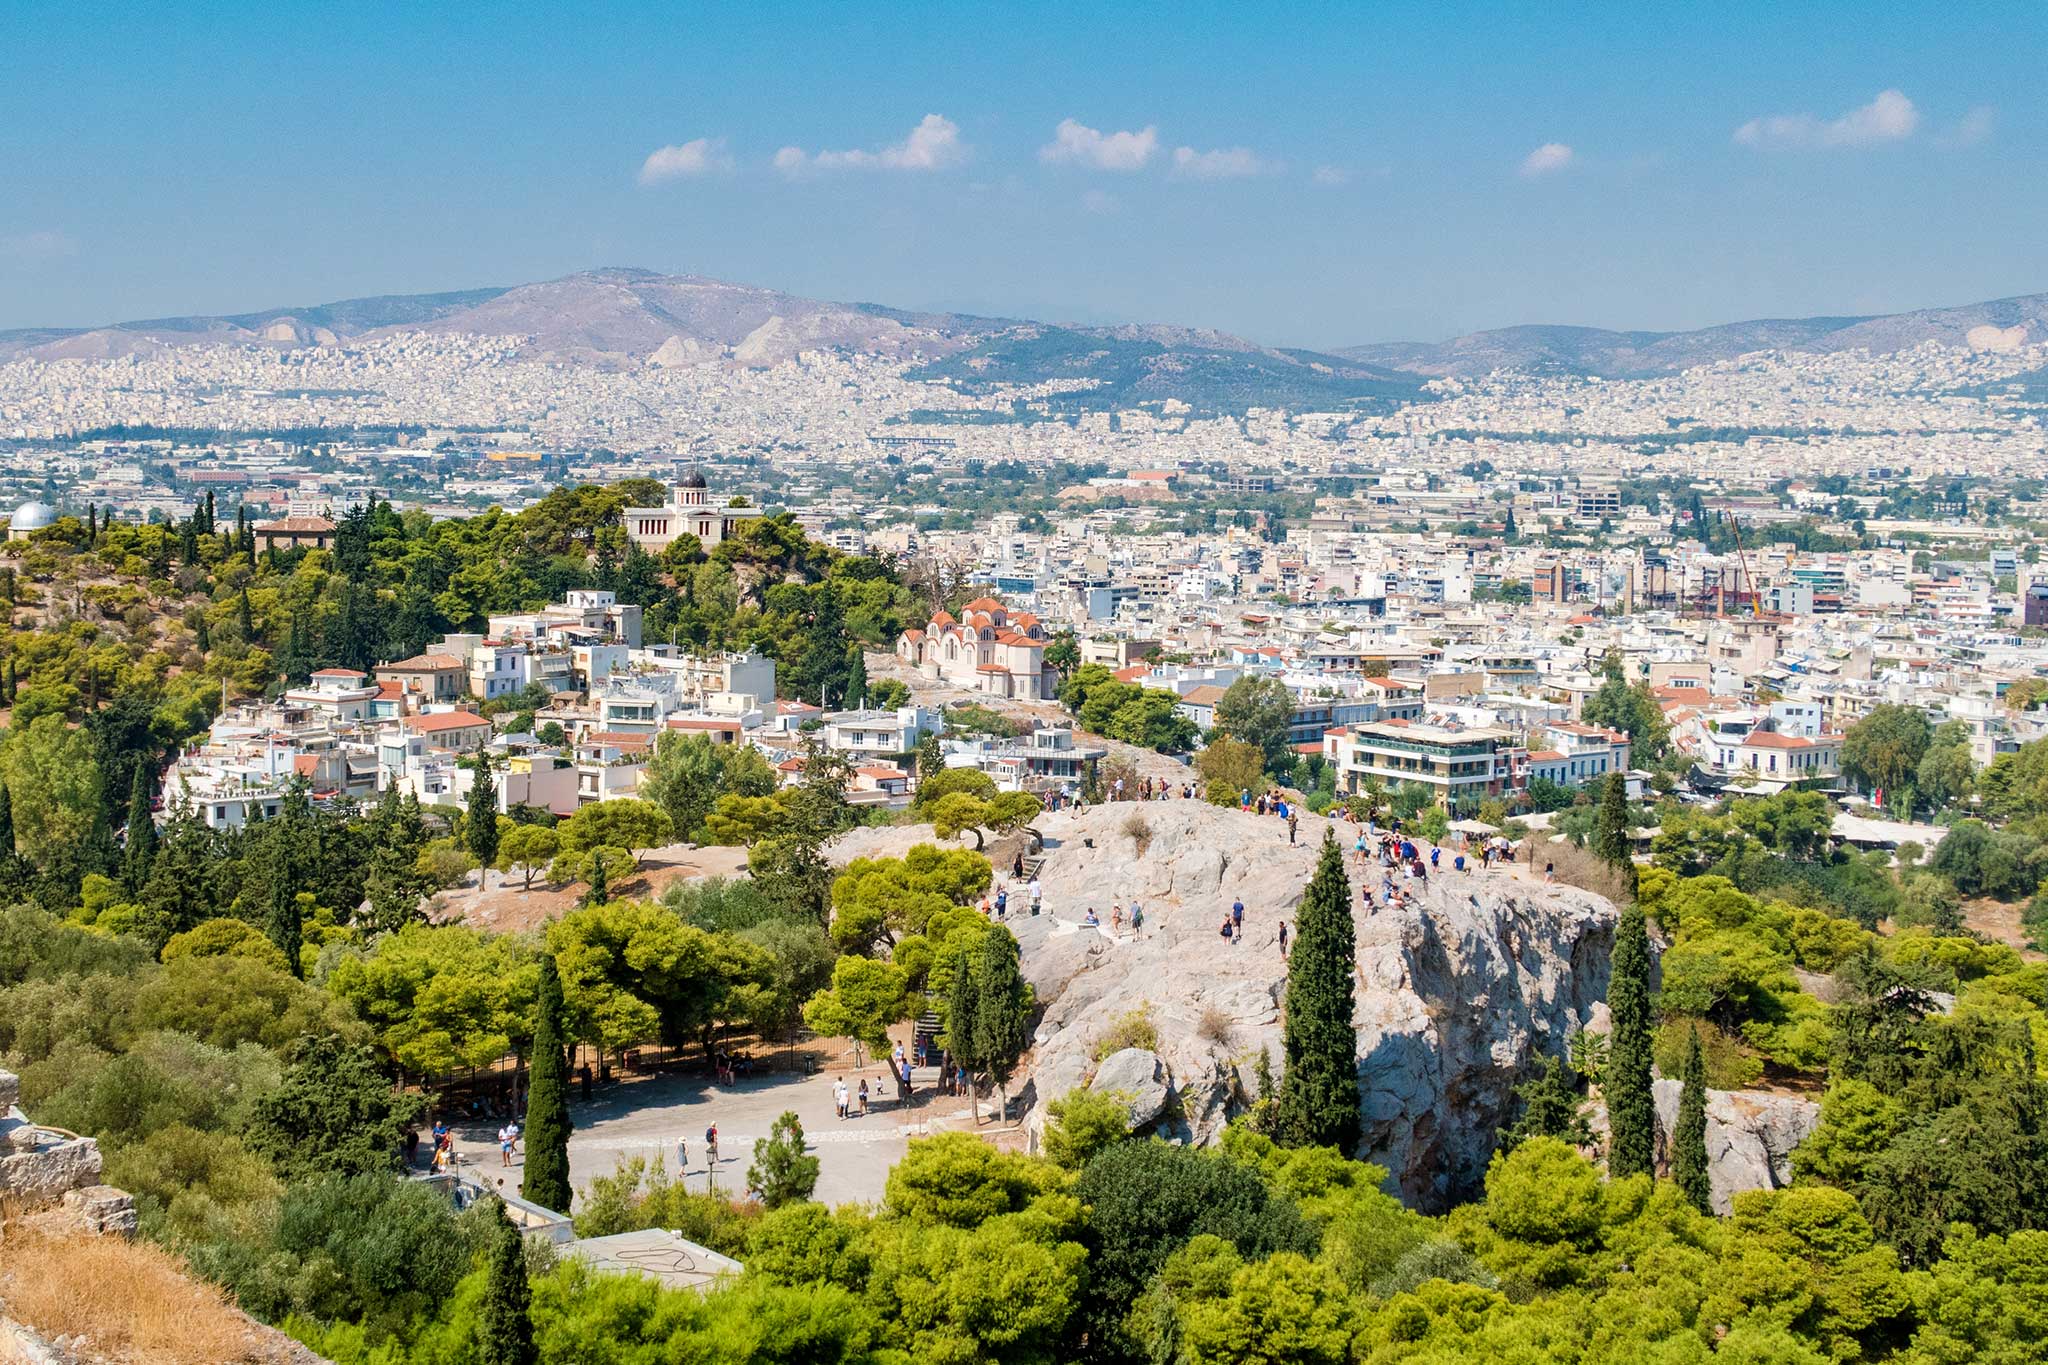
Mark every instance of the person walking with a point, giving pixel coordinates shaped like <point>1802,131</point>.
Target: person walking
<point>711,1148</point>
<point>863,1097</point>
<point>1226,928</point>
<point>839,1097</point>
<point>1283,938</point>
<point>1137,918</point>
<point>1037,895</point>
<point>682,1154</point>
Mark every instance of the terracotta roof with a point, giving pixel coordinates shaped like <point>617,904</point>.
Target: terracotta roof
<point>298,525</point>
<point>883,773</point>
<point>304,764</point>
<point>695,723</point>
<point>1768,740</point>
<point>1208,694</point>
<point>1545,756</point>
<point>983,604</point>
<point>1133,673</point>
<point>942,618</point>
<point>422,663</point>
<point>438,721</point>
<point>336,673</point>
<point>913,635</point>
<point>618,739</point>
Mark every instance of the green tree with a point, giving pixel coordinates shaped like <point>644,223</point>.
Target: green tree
<point>866,997</point>
<point>684,777</point>
<point>1258,711</point>
<point>1549,1108</point>
<point>1082,1123</point>
<point>623,823</point>
<point>1883,750</point>
<point>546,1181</point>
<point>598,891</point>
<point>1319,1093</point>
<point>1229,767</point>
<point>1001,1028</point>
<point>505,1318</point>
<point>480,822</point>
<point>526,849</point>
<point>1611,840</point>
<point>1631,1105</point>
<point>333,1114</point>
<point>1689,1139</point>
<point>782,1171</point>
<point>931,757</point>
<point>141,850</point>
<point>285,924</point>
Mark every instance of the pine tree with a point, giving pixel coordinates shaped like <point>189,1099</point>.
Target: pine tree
<point>782,1172</point>
<point>286,927</point>
<point>505,1318</point>
<point>1319,1093</point>
<point>1631,1105</point>
<point>547,1100</point>
<point>931,756</point>
<point>480,822</point>
<point>1611,838</point>
<point>1689,1141</point>
<point>141,850</point>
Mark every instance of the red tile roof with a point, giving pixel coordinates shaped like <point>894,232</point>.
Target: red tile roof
<point>439,721</point>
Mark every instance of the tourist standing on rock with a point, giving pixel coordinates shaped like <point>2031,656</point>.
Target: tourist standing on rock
<point>1037,894</point>
<point>1137,918</point>
<point>1017,867</point>
<point>1226,927</point>
<point>1293,821</point>
<point>1237,913</point>
<point>1002,900</point>
<point>1283,938</point>
<point>1116,917</point>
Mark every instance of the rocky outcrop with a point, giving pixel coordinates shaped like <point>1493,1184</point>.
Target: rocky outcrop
<point>1750,1137</point>
<point>1138,1077</point>
<point>41,1168</point>
<point>1457,994</point>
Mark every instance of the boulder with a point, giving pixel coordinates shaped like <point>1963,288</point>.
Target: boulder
<point>103,1209</point>
<point>1458,995</point>
<point>10,1090</point>
<point>38,1177</point>
<point>1750,1137</point>
<point>1140,1078</point>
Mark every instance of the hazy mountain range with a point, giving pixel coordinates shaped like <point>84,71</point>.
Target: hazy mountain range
<point>628,317</point>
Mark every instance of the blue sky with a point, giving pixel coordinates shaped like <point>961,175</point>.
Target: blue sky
<point>1316,176</point>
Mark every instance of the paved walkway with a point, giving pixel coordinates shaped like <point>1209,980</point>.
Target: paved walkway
<point>646,1117</point>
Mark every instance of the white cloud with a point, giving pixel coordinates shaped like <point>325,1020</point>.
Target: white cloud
<point>1223,163</point>
<point>1890,117</point>
<point>933,145</point>
<point>1330,175</point>
<point>698,156</point>
<point>37,246</point>
<point>1074,141</point>
<point>1548,159</point>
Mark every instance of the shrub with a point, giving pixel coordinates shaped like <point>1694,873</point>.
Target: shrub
<point>1731,1065</point>
<point>1133,1029</point>
<point>1582,868</point>
<point>1216,1025</point>
<point>1140,830</point>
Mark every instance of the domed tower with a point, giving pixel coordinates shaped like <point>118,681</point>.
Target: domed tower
<point>690,489</point>
<point>30,516</point>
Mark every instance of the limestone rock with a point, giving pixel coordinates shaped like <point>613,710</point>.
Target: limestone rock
<point>103,1209</point>
<point>1458,995</point>
<point>10,1090</point>
<point>40,1177</point>
<point>1139,1076</point>
<point>1750,1137</point>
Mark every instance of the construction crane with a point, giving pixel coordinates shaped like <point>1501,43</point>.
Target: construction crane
<point>1756,606</point>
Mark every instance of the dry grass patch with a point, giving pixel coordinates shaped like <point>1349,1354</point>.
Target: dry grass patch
<point>130,1300</point>
<point>1583,868</point>
<point>1140,830</point>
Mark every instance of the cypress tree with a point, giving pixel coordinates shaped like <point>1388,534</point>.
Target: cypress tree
<point>1689,1141</point>
<point>856,680</point>
<point>480,822</point>
<point>1002,1011</point>
<point>6,822</point>
<point>1319,1093</point>
<point>505,1319</point>
<point>547,1101</point>
<point>1631,1106</point>
<point>1610,840</point>
<point>141,829</point>
<point>286,929</point>
<point>245,623</point>
<point>599,892</point>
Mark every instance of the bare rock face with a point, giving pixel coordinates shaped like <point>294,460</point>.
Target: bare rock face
<point>1457,994</point>
<point>1139,1077</point>
<point>1750,1137</point>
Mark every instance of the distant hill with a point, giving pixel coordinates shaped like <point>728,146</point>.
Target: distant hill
<point>625,317</point>
<point>2000,325</point>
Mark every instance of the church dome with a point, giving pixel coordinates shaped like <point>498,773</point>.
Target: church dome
<point>32,516</point>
